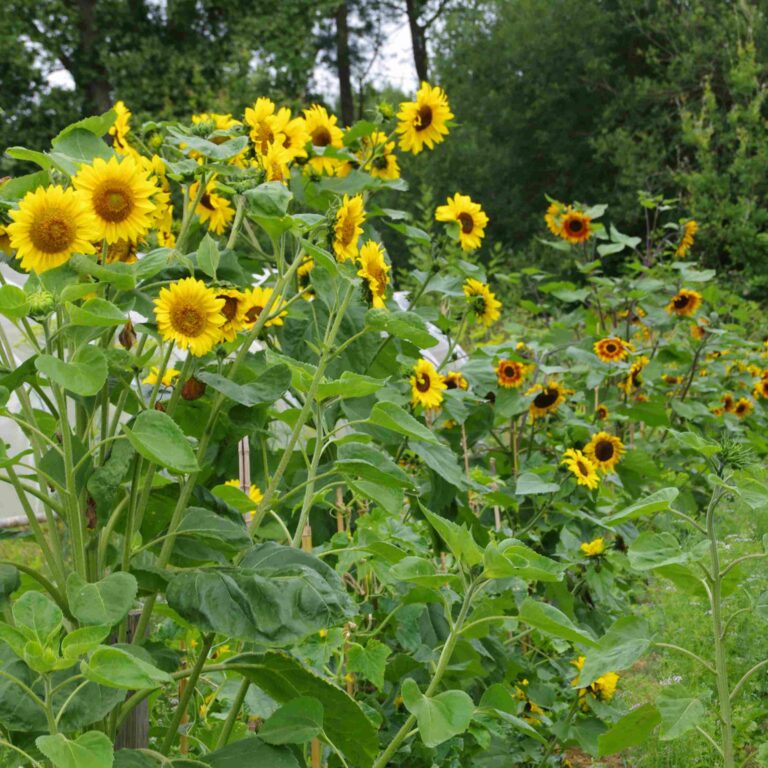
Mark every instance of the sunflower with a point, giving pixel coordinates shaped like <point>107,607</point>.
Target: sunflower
<point>699,330</point>
<point>274,162</point>
<point>254,492</point>
<point>742,407</point>
<point>168,376</point>
<point>604,451</point>
<point>685,303</point>
<point>302,277</point>
<point>374,270</point>
<point>262,121</point>
<point>218,121</point>
<point>5,240</point>
<point>482,301</point>
<point>50,224</point>
<point>760,389</point>
<point>348,227</point>
<point>554,218</point>
<point>728,402</point>
<point>295,133</point>
<point>603,689</point>
<point>427,385</point>
<point>690,228</point>
<point>455,380</point>
<point>576,227</point>
<point>612,349</point>
<point>469,216</point>
<point>582,468</point>
<point>213,210</point>
<point>510,373</point>
<point>254,301</point>
<point>122,251</point>
<point>189,313</point>
<point>378,155</point>
<point>548,398</point>
<point>234,310</point>
<point>120,129</point>
<point>634,378</point>
<point>323,132</point>
<point>423,121</point>
<point>602,412</point>
<point>119,194</point>
<point>593,548</point>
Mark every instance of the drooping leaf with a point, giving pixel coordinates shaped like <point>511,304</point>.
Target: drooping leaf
<point>349,385</point>
<point>81,641</point>
<point>629,731</point>
<point>530,484</point>
<point>391,416</point>
<point>91,750</point>
<point>650,505</point>
<point>269,387</point>
<point>84,374</point>
<point>157,437</point>
<point>407,326</point>
<point>458,538</point>
<point>654,550</point>
<point>116,667</point>
<point>619,648</point>
<point>439,717</point>
<point>680,712</point>
<point>251,752</point>
<point>512,559</point>
<point>96,312</point>
<point>552,621</point>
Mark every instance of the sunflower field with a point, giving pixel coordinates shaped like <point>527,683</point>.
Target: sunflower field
<point>295,507</point>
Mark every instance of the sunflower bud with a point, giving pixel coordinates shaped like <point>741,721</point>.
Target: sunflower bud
<point>193,389</point>
<point>41,304</point>
<point>386,110</point>
<point>127,336</point>
<point>203,128</point>
<point>155,141</point>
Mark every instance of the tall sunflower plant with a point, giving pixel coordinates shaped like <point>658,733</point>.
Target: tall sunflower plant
<point>288,517</point>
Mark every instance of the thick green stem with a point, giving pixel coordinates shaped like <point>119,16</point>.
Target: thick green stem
<point>229,724</point>
<point>442,664</point>
<point>189,690</point>
<point>311,478</point>
<point>721,662</point>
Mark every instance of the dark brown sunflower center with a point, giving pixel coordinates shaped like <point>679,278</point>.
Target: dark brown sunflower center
<point>206,202</point>
<point>575,225</point>
<point>113,203</point>
<point>380,162</point>
<point>252,315</point>
<point>681,301</point>
<point>510,371</point>
<point>321,137</point>
<point>346,231</point>
<point>546,398</point>
<point>188,320</point>
<point>52,233</point>
<point>467,222</point>
<point>611,348</point>
<point>229,310</point>
<point>740,408</point>
<point>604,450</point>
<point>582,467</point>
<point>423,382</point>
<point>424,118</point>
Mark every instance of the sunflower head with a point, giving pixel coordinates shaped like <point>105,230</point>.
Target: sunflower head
<point>593,548</point>
<point>604,450</point>
<point>455,380</point>
<point>424,122</point>
<point>323,132</point>
<point>169,374</point>
<point>612,349</point>
<point>554,218</point>
<point>470,218</point>
<point>483,301</point>
<point>742,407</point>
<point>214,210</point>
<point>190,314</point>
<point>684,303</point>
<point>375,273</point>
<point>348,227</point>
<point>581,467</point>
<point>119,193</point>
<point>689,230</point>
<point>634,378</point>
<point>602,412</point>
<point>510,373</point>
<point>378,156</point>
<point>576,227</point>
<point>427,385</point>
<point>234,310</point>
<point>50,224</point>
<point>548,398</point>
<point>255,302</point>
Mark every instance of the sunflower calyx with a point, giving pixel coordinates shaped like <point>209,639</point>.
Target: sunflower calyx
<point>41,304</point>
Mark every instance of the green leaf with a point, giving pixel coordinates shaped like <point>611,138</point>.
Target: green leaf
<point>439,717</point>
<point>350,385</point>
<point>96,312</point>
<point>10,581</point>
<point>32,156</point>
<point>391,416</point>
<point>269,386</point>
<point>512,559</point>
<point>77,147</point>
<point>370,463</point>
<point>209,149</point>
<point>501,703</point>
<point>208,256</point>
<point>629,731</point>
<point>552,621</point>
<point>91,750</point>
<point>296,722</point>
<point>268,200</point>
<point>283,678</point>
<point>458,538</point>
<point>102,602</point>
<point>619,648</point>
<point>15,639</point>
<point>216,531</point>
<point>84,375</point>
<point>157,437</point>
<point>529,484</point>
<point>654,550</point>
<point>37,616</point>
<point>407,326</point>
<point>116,667</point>
<point>122,276</point>
<point>105,481</point>
<point>679,711</point>
<point>84,640</point>
<point>278,608</point>
<point>369,661</point>
<point>98,125</point>
<point>419,570</point>
<point>13,302</point>
<point>650,505</point>
<point>442,460</point>
<point>250,752</point>
<point>696,442</point>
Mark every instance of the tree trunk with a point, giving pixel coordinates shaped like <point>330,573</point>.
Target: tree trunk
<point>344,66</point>
<point>89,72</point>
<point>418,41</point>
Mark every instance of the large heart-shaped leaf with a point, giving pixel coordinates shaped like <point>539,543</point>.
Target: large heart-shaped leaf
<point>116,667</point>
<point>84,374</point>
<point>91,750</point>
<point>512,559</point>
<point>619,648</point>
<point>680,712</point>
<point>37,616</point>
<point>296,722</point>
<point>629,731</point>
<point>157,437</point>
<point>552,621</point>
<point>102,602</point>
<point>439,717</point>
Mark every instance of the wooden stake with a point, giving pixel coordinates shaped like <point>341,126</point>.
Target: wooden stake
<point>317,753</point>
<point>339,509</point>
<point>306,538</point>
